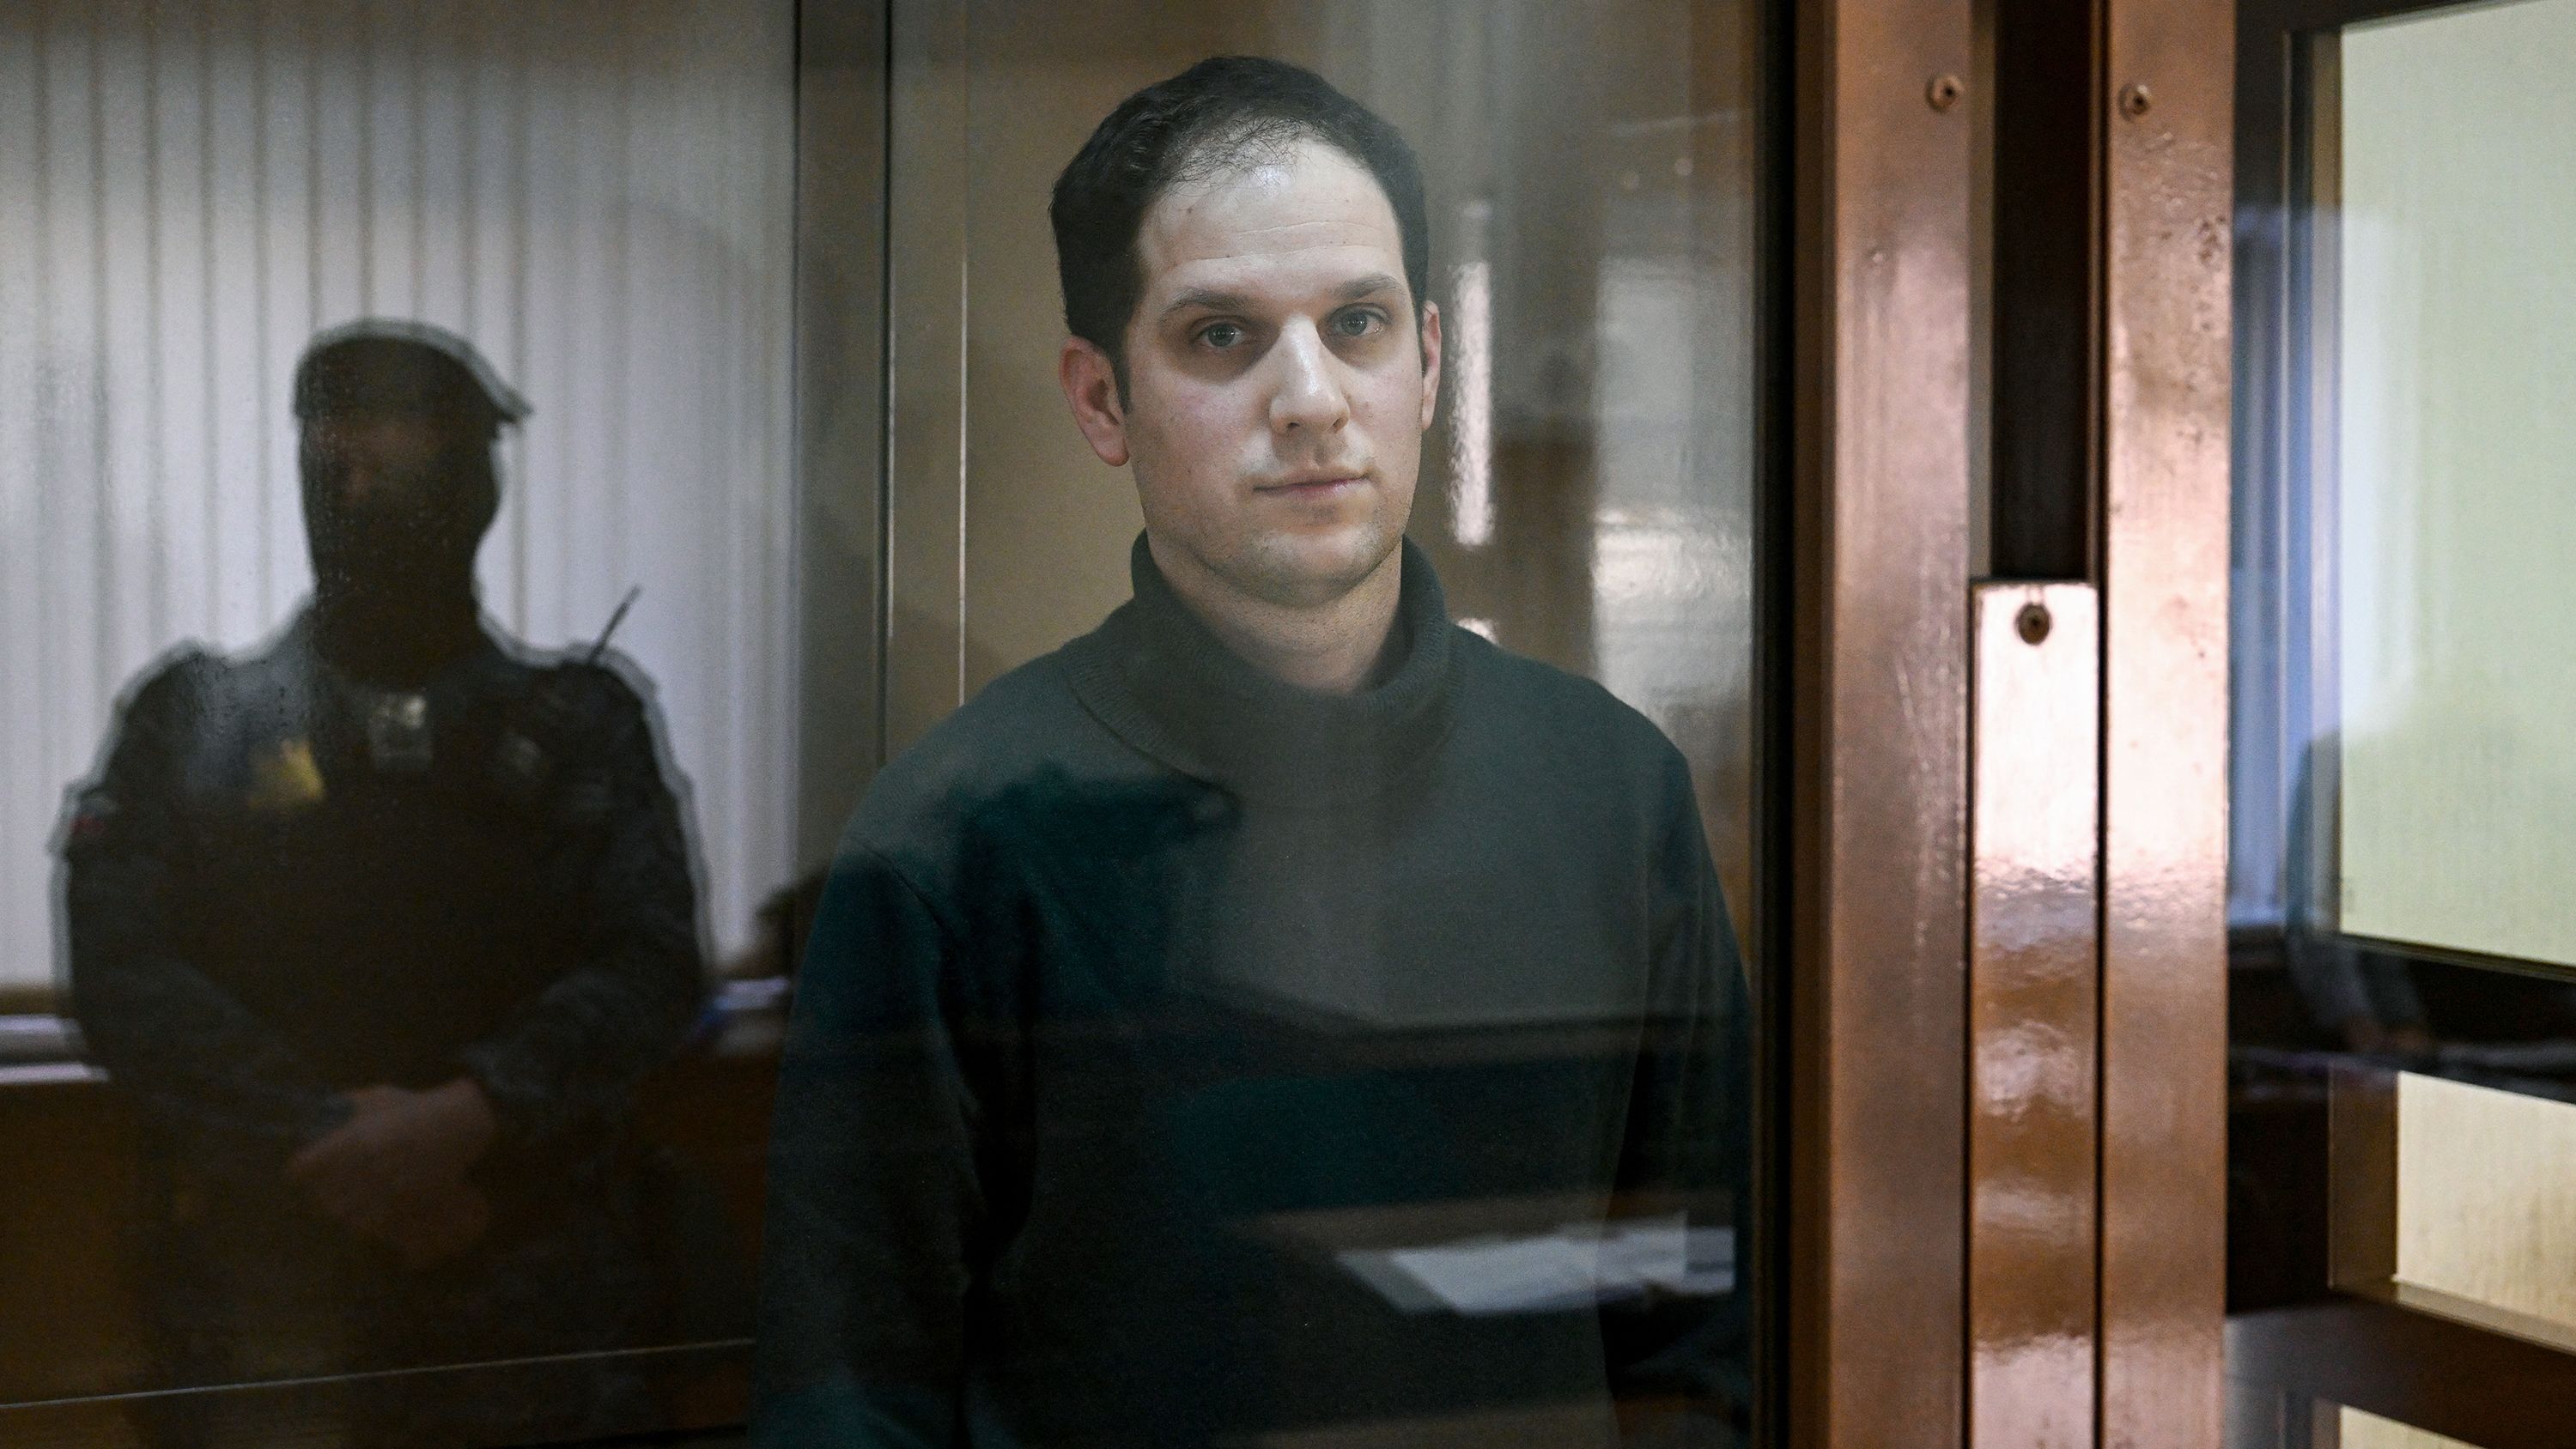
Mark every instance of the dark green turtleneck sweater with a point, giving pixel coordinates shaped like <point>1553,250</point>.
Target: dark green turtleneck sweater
<point>1143,961</point>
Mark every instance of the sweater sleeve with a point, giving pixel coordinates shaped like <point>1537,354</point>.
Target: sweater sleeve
<point>1690,1130</point>
<point>874,1200</point>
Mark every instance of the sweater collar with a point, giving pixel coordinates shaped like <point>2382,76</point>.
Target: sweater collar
<point>1162,680</point>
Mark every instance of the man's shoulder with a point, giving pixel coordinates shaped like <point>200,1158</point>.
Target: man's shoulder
<point>1564,750</point>
<point>585,700</point>
<point>176,681</point>
<point>1024,726</point>
<point>1534,702</point>
<point>201,686</point>
<point>193,693</point>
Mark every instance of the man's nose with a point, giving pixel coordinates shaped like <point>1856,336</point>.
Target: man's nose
<point>362,479</point>
<point>1309,391</point>
<point>351,478</point>
<point>354,479</point>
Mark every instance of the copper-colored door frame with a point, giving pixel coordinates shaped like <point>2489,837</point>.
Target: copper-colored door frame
<point>2168,83</point>
<point>1884,162</point>
<point>1888,1333</point>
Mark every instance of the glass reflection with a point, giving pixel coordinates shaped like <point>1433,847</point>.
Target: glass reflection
<point>2403,1046</point>
<point>380,926</point>
<point>1306,1026</point>
<point>387,1017</point>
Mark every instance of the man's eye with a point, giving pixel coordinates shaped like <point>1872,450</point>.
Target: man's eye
<point>1220,335</point>
<point>1359,322</point>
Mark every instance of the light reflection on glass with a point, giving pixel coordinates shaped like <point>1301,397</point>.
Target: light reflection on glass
<point>1471,434</point>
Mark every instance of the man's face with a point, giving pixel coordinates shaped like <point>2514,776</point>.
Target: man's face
<point>1277,387</point>
<point>366,459</point>
<point>387,503</point>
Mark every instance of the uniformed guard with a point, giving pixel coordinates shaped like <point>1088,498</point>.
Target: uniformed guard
<point>380,926</point>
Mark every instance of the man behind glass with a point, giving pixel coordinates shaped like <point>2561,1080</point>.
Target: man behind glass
<point>1277,902</point>
<point>379,926</point>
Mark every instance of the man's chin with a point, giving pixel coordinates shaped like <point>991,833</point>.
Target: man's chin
<point>1309,571</point>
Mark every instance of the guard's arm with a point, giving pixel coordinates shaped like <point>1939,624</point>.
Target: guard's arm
<point>568,1061</point>
<point>163,1029</point>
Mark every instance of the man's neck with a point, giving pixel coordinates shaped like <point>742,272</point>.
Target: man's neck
<point>394,643</point>
<point>1336,647</point>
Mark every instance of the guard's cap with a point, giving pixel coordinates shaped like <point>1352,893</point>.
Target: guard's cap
<point>388,363</point>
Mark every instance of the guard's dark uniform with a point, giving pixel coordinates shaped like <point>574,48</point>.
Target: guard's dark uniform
<point>284,885</point>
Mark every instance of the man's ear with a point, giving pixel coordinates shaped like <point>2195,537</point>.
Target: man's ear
<point>1430,362</point>
<point>1091,390</point>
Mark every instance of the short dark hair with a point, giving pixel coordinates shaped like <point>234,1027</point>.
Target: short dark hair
<point>1224,112</point>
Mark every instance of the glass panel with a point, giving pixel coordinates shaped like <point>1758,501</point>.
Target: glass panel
<point>437,485</point>
<point>2404,1051</point>
<point>385,963</point>
<point>1281,1011</point>
<point>2456,325</point>
<point>1587,487</point>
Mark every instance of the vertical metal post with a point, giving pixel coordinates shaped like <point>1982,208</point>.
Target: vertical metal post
<point>1877,1038</point>
<point>927,177</point>
<point>2170,88</point>
<point>2033,1013</point>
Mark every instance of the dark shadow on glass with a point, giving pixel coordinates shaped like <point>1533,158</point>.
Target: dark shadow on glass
<point>379,928</point>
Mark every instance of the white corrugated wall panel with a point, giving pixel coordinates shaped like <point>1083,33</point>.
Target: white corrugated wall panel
<point>598,192</point>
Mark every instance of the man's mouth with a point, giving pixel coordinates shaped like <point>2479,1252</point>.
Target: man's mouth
<point>1322,486</point>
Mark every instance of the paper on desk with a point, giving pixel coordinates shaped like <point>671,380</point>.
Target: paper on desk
<point>1573,1267</point>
